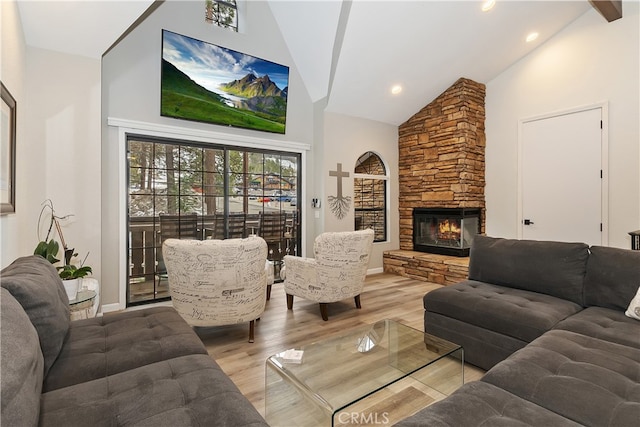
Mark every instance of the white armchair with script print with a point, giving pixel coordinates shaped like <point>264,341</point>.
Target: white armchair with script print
<point>217,282</point>
<point>337,272</point>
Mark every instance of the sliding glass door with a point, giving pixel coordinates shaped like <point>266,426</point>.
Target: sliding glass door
<point>199,191</point>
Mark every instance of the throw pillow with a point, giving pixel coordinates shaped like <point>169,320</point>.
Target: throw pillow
<point>634,307</point>
<point>21,363</point>
<point>34,282</point>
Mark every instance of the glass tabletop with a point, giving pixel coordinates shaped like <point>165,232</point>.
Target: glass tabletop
<point>339,371</point>
<point>83,296</point>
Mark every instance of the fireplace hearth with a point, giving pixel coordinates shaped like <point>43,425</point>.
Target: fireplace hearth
<point>446,231</point>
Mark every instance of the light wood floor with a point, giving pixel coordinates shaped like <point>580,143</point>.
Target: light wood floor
<point>385,296</point>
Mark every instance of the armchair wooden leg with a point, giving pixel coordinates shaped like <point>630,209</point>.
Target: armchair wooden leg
<point>251,330</point>
<point>357,298</point>
<point>289,301</point>
<point>268,292</point>
<point>324,312</point>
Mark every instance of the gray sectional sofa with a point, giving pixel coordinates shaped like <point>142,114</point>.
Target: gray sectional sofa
<point>547,319</point>
<point>139,368</point>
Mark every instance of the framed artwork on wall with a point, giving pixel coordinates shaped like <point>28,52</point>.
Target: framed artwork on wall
<point>7,153</point>
<point>207,83</point>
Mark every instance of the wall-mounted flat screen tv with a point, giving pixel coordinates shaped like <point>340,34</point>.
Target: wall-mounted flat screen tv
<point>208,83</point>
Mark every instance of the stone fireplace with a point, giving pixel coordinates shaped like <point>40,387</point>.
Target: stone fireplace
<point>441,166</point>
<point>441,161</point>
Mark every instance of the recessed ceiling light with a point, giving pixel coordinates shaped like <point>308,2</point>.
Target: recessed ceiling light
<point>488,5</point>
<point>531,37</point>
<point>396,89</point>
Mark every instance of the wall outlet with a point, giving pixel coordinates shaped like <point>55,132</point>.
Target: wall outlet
<point>315,203</point>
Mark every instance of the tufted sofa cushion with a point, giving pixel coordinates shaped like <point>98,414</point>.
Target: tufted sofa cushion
<point>552,268</point>
<point>513,312</point>
<point>22,365</point>
<point>188,390</point>
<point>605,324</point>
<point>35,283</point>
<point>585,379</point>
<point>484,405</point>
<point>117,342</point>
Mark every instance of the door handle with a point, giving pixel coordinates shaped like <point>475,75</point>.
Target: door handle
<point>527,222</point>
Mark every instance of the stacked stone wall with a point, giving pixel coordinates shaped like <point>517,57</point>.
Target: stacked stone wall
<point>441,159</point>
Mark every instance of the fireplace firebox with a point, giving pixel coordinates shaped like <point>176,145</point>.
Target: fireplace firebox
<point>445,231</point>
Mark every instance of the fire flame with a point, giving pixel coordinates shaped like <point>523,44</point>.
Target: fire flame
<point>448,230</point>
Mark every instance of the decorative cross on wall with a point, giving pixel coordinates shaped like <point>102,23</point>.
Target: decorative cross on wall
<point>339,204</point>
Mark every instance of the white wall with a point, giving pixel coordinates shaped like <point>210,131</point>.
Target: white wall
<point>313,178</point>
<point>131,90</point>
<point>345,140</point>
<point>58,142</point>
<point>12,72</point>
<point>590,61</point>
<point>63,96</point>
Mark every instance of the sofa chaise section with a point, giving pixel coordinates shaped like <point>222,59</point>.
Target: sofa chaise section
<point>515,293</point>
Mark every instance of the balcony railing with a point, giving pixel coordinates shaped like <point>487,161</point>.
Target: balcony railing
<point>146,234</point>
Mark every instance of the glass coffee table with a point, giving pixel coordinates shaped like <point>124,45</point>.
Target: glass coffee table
<point>375,374</point>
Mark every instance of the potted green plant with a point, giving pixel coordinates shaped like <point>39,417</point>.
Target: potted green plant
<point>49,248</point>
<point>70,272</point>
<point>71,275</point>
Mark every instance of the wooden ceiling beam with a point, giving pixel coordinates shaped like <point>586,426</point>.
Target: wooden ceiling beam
<point>610,9</point>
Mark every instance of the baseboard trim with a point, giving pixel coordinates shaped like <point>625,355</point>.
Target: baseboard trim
<point>377,270</point>
<point>107,308</point>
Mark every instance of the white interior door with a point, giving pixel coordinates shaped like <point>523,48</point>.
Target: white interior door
<point>561,178</point>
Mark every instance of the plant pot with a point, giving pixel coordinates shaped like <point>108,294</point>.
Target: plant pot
<point>71,286</point>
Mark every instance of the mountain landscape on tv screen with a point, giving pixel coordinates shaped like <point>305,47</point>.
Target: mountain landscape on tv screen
<point>251,102</point>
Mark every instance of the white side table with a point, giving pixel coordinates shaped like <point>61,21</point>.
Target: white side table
<point>81,306</point>
<point>86,309</point>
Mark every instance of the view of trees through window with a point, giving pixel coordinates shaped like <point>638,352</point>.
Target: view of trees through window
<point>200,191</point>
<point>370,195</point>
<point>223,13</point>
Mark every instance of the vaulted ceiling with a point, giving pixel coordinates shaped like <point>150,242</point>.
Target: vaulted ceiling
<point>349,53</point>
